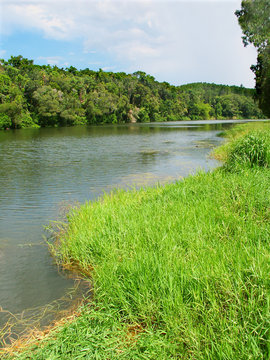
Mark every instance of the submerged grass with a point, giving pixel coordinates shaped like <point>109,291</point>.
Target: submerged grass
<point>180,271</point>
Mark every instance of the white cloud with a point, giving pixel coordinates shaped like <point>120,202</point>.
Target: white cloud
<point>3,52</point>
<point>176,41</point>
<point>36,16</point>
<point>52,60</point>
<point>108,68</point>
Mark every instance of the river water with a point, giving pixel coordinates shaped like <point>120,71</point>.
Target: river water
<point>42,171</point>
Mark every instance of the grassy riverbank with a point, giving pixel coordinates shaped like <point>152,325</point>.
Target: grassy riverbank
<point>179,271</point>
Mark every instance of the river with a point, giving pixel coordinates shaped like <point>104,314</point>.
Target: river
<point>43,171</point>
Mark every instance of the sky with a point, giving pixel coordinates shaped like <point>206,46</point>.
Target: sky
<point>175,41</point>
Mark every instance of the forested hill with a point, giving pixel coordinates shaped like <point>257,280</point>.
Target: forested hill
<point>34,95</point>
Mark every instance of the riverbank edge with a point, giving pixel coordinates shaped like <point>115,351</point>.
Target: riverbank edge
<point>163,120</point>
<point>133,333</point>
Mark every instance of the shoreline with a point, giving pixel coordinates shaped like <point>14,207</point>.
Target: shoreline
<point>170,265</point>
<point>182,121</point>
<point>21,328</point>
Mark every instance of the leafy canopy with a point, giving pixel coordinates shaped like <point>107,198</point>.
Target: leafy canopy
<point>254,19</point>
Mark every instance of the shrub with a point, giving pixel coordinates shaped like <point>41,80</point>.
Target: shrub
<point>253,149</point>
<point>5,121</point>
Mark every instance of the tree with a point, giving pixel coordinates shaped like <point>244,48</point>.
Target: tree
<point>34,95</point>
<point>49,105</point>
<point>20,62</point>
<point>262,72</point>
<point>254,19</point>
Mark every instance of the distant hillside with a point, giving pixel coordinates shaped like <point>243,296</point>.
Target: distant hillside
<point>34,95</point>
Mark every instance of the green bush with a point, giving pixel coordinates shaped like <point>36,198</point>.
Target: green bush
<point>27,121</point>
<point>5,121</point>
<point>253,149</point>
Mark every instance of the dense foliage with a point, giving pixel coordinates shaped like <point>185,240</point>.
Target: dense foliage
<point>34,95</point>
<point>254,19</point>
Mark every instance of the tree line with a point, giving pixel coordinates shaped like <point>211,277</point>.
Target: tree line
<point>43,95</point>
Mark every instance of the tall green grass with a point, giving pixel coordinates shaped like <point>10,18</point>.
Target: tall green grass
<point>249,141</point>
<point>179,272</point>
<point>250,150</point>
